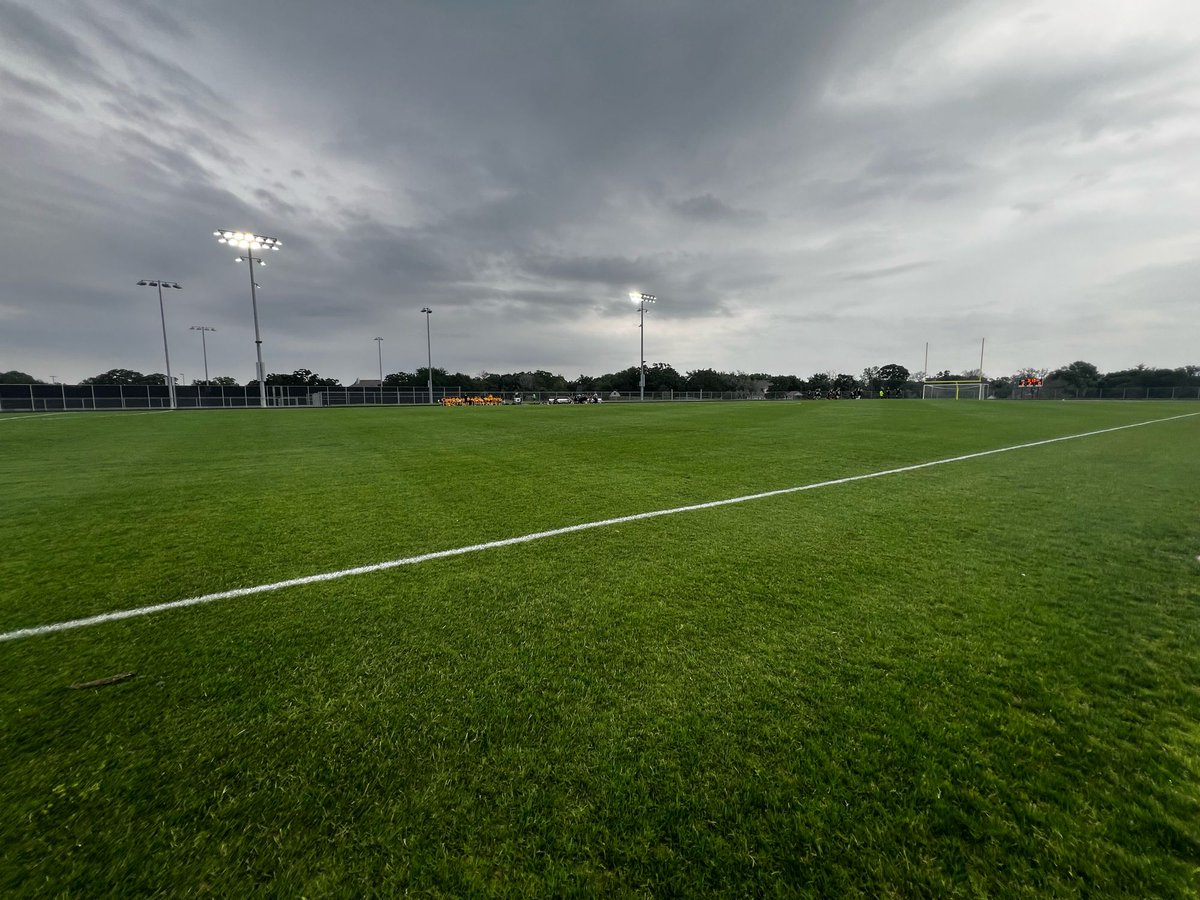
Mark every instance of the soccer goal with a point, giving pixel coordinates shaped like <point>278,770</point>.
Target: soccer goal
<point>953,390</point>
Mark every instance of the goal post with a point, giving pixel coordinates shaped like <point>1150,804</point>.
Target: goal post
<point>953,390</point>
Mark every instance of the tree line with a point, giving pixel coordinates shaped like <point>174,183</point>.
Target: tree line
<point>892,379</point>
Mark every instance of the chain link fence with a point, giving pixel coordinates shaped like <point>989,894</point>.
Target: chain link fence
<point>67,397</point>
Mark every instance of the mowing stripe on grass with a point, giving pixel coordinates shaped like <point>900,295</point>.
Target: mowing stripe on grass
<point>536,536</point>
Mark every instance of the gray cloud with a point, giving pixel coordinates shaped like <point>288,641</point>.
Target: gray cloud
<point>707,208</point>
<point>806,186</point>
<point>886,272</point>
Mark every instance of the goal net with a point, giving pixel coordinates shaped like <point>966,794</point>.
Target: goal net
<point>953,390</point>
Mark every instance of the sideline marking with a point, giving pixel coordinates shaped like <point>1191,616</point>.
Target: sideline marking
<point>91,414</point>
<point>535,536</point>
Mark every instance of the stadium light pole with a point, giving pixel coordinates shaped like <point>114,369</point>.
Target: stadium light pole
<point>429,351</point>
<point>642,299</point>
<point>250,242</point>
<point>203,345</point>
<point>982,342</point>
<point>163,316</point>
<point>379,347</point>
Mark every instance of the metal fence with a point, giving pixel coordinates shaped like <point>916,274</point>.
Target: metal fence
<point>1121,393</point>
<point>58,397</point>
<point>67,397</point>
<point>63,397</point>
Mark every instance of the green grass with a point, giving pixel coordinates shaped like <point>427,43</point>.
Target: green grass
<point>975,679</point>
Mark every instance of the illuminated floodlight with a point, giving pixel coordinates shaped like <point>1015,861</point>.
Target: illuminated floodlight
<point>249,242</point>
<point>642,298</point>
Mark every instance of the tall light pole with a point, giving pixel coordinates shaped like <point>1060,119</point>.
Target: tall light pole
<point>642,299</point>
<point>429,350</point>
<point>379,347</point>
<point>203,345</point>
<point>982,342</point>
<point>162,315</point>
<point>250,242</point>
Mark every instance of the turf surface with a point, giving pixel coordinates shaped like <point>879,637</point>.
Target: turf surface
<point>977,678</point>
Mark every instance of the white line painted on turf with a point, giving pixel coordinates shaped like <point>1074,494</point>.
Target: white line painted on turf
<point>29,417</point>
<point>536,536</point>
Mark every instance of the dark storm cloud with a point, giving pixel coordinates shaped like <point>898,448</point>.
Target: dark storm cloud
<point>611,271</point>
<point>798,182</point>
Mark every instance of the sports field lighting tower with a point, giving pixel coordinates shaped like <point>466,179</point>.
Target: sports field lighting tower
<point>160,284</point>
<point>429,351</point>
<point>250,243</point>
<point>642,298</point>
<point>203,345</point>
<point>379,347</point>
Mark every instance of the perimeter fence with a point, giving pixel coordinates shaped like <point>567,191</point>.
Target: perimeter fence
<point>72,397</point>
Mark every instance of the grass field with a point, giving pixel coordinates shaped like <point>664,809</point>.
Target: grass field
<point>979,678</point>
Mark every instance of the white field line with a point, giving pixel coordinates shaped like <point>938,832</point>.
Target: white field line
<point>536,536</point>
<point>91,415</point>
<point>32,415</point>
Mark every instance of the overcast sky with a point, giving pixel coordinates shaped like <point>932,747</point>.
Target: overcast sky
<point>806,186</point>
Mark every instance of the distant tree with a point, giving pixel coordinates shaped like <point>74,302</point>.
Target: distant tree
<point>546,381</point>
<point>626,381</point>
<point>153,378</point>
<point>512,381</point>
<point>820,382</point>
<point>663,377</point>
<point>116,376</point>
<point>786,383</point>
<point>459,380</point>
<point>219,381</point>
<point>1143,376</point>
<point>892,378</point>
<point>751,384</point>
<point>845,383</point>
<point>1078,376</point>
<point>302,378</point>
<point>870,379</point>
<point>489,381</point>
<point>708,380</point>
<point>15,377</point>
<point>419,378</point>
